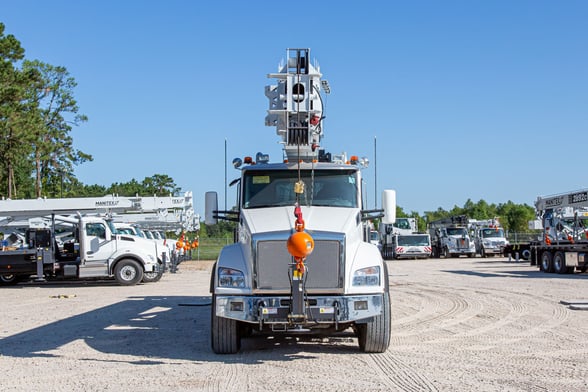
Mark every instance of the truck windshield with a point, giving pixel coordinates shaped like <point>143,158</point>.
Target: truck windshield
<point>273,188</point>
<point>413,240</point>
<point>402,223</point>
<point>456,231</point>
<point>492,233</point>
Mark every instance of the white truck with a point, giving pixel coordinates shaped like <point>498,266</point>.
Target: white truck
<point>489,237</point>
<point>402,240</point>
<point>94,248</point>
<point>411,246</point>
<point>258,284</point>
<point>450,237</point>
<point>389,231</point>
<point>563,248</point>
<point>96,252</point>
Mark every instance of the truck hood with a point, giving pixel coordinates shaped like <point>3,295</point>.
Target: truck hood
<point>331,219</point>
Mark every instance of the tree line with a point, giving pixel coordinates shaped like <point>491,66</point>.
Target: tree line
<point>513,217</point>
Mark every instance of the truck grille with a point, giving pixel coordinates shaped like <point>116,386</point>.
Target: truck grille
<point>324,264</point>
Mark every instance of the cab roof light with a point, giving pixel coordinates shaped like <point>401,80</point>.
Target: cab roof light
<point>248,160</point>
<point>261,158</point>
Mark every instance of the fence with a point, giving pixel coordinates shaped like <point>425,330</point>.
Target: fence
<point>208,248</point>
<point>518,238</point>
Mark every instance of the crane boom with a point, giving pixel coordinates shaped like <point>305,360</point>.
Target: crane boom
<point>296,107</point>
<point>569,199</point>
<point>168,211</point>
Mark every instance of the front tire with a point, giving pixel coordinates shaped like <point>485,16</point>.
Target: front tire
<point>224,333</point>
<point>128,272</point>
<point>374,336</point>
<point>151,277</point>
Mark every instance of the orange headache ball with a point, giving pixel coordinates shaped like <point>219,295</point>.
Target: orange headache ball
<point>300,244</point>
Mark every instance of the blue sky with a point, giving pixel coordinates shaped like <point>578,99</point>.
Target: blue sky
<point>466,99</point>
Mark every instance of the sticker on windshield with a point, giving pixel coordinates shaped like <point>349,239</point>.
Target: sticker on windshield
<point>261,179</point>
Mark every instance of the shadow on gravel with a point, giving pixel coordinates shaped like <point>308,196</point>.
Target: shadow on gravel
<point>519,274</point>
<point>156,330</point>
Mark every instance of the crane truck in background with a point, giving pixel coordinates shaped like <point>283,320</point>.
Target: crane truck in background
<point>94,252</point>
<point>402,240</point>
<point>450,237</point>
<point>37,244</point>
<point>302,262</point>
<point>563,247</point>
<point>489,237</point>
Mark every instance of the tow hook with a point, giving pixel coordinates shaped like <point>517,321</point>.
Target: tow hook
<point>260,306</point>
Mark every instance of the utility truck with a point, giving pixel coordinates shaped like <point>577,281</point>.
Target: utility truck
<point>489,237</point>
<point>563,247</point>
<point>302,262</point>
<point>95,252</point>
<point>450,237</point>
<point>402,240</point>
<point>94,248</point>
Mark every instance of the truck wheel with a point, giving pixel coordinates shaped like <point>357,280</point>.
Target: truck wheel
<point>224,333</point>
<point>526,254</point>
<point>151,277</point>
<point>374,337</point>
<point>8,279</point>
<point>128,272</point>
<point>546,262</point>
<point>559,263</point>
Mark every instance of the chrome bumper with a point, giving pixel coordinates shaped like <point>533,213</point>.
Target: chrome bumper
<point>319,309</point>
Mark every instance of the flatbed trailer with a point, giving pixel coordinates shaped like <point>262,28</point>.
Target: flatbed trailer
<point>561,258</point>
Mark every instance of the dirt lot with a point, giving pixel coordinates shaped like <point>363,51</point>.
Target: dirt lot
<point>458,325</point>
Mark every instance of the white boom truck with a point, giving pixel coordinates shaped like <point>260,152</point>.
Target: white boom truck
<point>95,249</point>
<point>402,240</point>
<point>259,284</point>
<point>489,237</point>
<point>564,244</point>
<point>450,237</point>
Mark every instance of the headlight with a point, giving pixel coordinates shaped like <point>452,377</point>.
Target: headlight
<point>228,277</point>
<point>369,276</point>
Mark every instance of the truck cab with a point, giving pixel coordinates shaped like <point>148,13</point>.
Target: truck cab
<point>490,241</point>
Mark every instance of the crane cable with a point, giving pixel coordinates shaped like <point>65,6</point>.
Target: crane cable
<point>300,244</point>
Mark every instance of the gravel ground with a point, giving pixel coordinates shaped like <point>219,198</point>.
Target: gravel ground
<point>458,325</point>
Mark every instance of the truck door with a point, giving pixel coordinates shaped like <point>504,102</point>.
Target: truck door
<point>98,247</point>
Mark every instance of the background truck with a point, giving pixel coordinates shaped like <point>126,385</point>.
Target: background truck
<point>450,237</point>
<point>489,237</point>
<point>62,243</point>
<point>310,202</point>
<point>402,240</point>
<point>94,252</point>
<point>411,246</point>
<point>563,247</point>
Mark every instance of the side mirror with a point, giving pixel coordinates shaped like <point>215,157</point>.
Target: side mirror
<point>210,208</point>
<point>389,206</point>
